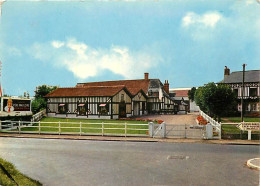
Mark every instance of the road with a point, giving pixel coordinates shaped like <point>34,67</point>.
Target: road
<point>81,162</point>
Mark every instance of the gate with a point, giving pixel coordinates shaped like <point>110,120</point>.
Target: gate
<point>185,131</point>
<point>166,130</point>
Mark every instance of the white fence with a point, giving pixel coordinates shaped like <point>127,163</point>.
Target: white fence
<point>216,126</point>
<point>108,129</point>
<point>38,116</point>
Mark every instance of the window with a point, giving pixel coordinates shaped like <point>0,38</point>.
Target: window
<point>253,92</point>
<point>82,109</point>
<point>103,109</point>
<point>122,97</point>
<point>235,92</point>
<point>253,106</point>
<point>62,108</point>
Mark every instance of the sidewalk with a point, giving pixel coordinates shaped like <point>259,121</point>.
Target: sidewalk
<point>141,139</point>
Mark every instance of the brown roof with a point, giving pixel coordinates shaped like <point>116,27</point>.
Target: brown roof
<point>181,93</point>
<point>134,86</point>
<point>86,91</point>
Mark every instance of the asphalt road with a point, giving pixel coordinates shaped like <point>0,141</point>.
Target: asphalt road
<point>80,162</point>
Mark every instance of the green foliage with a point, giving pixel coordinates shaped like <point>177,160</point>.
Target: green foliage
<point>38,105</point>
<point>44,90</point>
<point>191,93</point>
<point>19,178</point>
<point>215,100</point>
<point>39,102</point>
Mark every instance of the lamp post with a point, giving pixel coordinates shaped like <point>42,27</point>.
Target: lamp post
<point>242,97</point>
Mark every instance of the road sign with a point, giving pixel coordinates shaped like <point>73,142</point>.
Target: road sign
<point>253,126</point>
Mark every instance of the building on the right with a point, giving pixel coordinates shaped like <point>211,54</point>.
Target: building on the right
<point>251,92</point>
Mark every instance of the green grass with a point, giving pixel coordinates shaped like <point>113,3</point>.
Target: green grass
<point>88,128</point>
<point>238,119</point>
<point>19,178</point>
<point>232,129</point>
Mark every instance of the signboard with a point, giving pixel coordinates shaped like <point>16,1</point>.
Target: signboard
<point>10,105</point>
<point>254,126</point>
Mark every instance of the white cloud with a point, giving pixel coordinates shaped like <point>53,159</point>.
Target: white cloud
<point>209,19</point>
<point>57,44</point>
<point>84,61</point>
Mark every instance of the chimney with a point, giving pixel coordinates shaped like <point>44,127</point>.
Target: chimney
<point>226,72</point>
<point>146,76</point>
<point>166,87</point>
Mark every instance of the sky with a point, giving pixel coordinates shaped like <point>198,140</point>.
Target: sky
<point>187,42</point>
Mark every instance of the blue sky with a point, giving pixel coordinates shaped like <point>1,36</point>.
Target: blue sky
<point>187,42</point>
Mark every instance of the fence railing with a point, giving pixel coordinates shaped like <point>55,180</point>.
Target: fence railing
<point>216,125</point>
<point>76,128</point>
<point>38,116</point>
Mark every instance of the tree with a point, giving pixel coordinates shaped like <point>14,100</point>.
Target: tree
<point>215,100</point>
<point>191,93</point>
<point>43,90</point>
<point>39,102</point>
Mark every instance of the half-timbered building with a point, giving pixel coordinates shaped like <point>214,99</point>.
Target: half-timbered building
<point>111,99</point>
<point>251,93</point>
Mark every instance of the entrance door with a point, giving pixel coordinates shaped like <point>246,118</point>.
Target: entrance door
<point>122,110</point>
<point>136,108</point>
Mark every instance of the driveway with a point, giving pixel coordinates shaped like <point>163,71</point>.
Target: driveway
<point>179,119</point>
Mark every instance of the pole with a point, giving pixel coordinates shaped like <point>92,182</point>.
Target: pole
<point>242,97</point>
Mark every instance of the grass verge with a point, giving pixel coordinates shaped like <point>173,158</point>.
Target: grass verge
<point>238,119</point>
<point>19,178</point>
<point>89,126</point>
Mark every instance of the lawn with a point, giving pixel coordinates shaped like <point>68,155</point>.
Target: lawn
<point>232,129</point>
<point>13,173</point>
<point>89,126</point>
<point>238,119</point>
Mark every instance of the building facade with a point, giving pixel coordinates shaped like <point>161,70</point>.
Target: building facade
<point>111,99</point>
<point>251,91</point>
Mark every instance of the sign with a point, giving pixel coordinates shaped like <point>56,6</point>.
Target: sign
<point>10,105</point>
<point>254,126</point>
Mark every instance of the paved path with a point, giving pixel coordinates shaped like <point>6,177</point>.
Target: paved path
<point>179,119</point>
<point>80,162</point>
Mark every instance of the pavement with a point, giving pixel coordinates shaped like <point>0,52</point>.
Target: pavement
<point>90,162</point>
<point>133,139</point>
<point>254,163</point>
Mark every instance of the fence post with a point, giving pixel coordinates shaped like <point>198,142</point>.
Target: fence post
<point>151,129</point>
<point>220,132</point>
<point>39,127</point>
<point>80,130</point>
<point>163,132</point>
<point>19,128</point>
<point>102,128</point>
<point>125,129</point>
<point>59,128</point>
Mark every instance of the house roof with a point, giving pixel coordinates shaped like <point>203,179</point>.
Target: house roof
<point>134,86</point>
<point>181,93</point>
<point>237,77</point>
<point>86,91</point>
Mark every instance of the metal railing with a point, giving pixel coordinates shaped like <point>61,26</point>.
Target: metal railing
<point>76,128</point>
<point>216,125</point>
